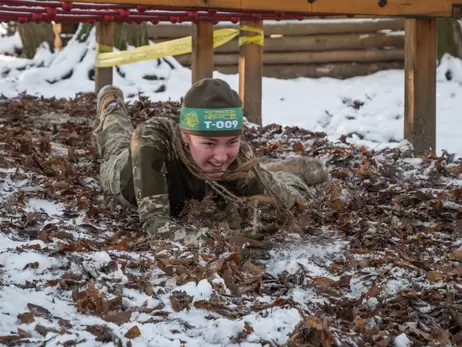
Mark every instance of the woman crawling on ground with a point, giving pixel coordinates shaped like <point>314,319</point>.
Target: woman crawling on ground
<point>159,166</point>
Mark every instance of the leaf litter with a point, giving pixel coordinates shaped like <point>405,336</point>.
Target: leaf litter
<point>374,258</point>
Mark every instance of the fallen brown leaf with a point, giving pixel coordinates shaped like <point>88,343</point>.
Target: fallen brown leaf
<point>118,317</point>
<point>434,276</point>
<point>26,317</point>
<point>298,147</point>
<point>39,311</point>
<point>133,332</point>
<point>180,301</point>
<point>9,338</point>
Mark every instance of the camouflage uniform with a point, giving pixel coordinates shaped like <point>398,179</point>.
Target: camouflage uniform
<point>141,168</point>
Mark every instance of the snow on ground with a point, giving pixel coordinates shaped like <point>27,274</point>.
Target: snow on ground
<point>377,258</point>
<point>368,110</point>
<point>383,266</point>
<point>37,278</point>
<point>10,44</point>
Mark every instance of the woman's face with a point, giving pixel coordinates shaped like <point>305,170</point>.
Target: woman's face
<point>213,155</point>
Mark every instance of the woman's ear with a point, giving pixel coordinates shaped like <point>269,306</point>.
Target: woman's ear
<point>184,137</point>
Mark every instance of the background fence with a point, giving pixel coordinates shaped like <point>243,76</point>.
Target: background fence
<point>338,48</point>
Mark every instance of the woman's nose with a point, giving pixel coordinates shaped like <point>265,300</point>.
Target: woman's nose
<point>220,155</point>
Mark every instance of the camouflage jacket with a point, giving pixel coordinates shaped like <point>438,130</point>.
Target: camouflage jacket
<point>162,184</point>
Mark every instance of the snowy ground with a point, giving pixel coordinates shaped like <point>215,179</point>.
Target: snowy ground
<point>375,259</point>
<point>377,262</point>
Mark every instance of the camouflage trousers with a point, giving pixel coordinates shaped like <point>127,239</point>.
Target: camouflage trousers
<point>112,143</point>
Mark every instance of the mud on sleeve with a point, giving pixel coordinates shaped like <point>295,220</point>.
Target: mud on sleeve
<point>150,149</point>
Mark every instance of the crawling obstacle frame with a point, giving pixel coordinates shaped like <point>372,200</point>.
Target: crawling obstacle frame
<point>420,39</point>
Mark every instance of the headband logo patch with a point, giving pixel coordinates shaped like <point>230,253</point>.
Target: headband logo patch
<point>191,119</point>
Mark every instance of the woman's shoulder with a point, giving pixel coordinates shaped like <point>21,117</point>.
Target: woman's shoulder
<point>158,126</point>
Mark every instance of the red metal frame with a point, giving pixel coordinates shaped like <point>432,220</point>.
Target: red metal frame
<point>74,12</point>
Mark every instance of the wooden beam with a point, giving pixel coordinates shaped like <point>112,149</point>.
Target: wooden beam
<point>337,56</point>
<point>104,43</point>
<point>391,8</point>
<point>322,43</point>
<point>318,43</point>
<point>251,75</point>
<point>307,27</point>
<point>387,7</point>
<point>202,51</point>
<point>340,71</point>
<point>420,84</point>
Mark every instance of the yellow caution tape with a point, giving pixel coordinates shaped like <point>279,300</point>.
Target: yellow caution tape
<point>106,58</point>
<point>252,29</point>
<point>245,40</point>
<point>103,48</point>
<point>257,39</point>
<point>160,50</point>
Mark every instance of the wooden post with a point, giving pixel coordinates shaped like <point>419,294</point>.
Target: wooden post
<point>104,43</point>
<point>202,51</point>
<point>420,84</point>
<point>251,74</point>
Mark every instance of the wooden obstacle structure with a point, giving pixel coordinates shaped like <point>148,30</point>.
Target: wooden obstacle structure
<point>420,53</point>
<point>337,48</point>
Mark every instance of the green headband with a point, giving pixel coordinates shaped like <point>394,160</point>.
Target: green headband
<point>208,121</point>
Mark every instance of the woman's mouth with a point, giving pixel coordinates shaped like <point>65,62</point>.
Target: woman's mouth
<point>216,166</point>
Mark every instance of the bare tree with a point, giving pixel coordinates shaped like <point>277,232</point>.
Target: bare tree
<point>130,34</point>
<point>33,35</point>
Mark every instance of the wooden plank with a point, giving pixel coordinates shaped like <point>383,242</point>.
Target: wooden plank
<point>317,43</point>
<point>306,27</point>
<point>202,51</point>
<point>391,8</point>
<point>251,75</point>
<point>386,7</point>
<point>321,43</point>
<point>340,70</point>
<point>365,55</point>
<point>104,43</point>
<point>347,26</point>
<point>420,84</point>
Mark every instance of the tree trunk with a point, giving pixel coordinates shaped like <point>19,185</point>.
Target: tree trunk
<point>125,34</point>
<point>33,35</point>
<point>130,34</point>
<point>449,37</point>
